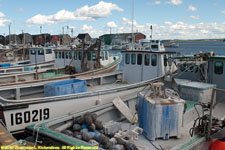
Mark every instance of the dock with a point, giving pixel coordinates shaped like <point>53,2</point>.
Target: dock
<point>7,141</point>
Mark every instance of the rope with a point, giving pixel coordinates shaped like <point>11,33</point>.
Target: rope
<point>36,139</point>
<point>20,142</point>
<point>4,124</point>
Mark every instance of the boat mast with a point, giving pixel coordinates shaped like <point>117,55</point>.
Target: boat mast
<point>132,28</point>
<point>151,37</point>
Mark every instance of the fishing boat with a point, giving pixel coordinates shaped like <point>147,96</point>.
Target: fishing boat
<point>139,67</point>
<point>40,58</point>
<point>173,45</point>
<point>160,115</point>
<point>203,118</point>
<point>67,61</point>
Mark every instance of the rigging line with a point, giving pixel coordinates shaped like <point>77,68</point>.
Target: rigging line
<point>154,145</point>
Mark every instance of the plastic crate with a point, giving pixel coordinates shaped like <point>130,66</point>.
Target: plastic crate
<point>195,91</point>
<point>28,68</point>
<point>160,120</point>
<point>65,87</point>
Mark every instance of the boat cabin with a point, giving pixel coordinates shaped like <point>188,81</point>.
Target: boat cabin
<point>143,65</point>
<point>155,45</point>
<point>70,57</point>
<point>41,54</point>
<point>210,69</point>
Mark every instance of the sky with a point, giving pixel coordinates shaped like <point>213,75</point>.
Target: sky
<point>171,19</point>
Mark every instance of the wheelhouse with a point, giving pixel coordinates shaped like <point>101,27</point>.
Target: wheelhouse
<point>65,57</point>
<point>41,54</point>
<point>143,65</point>
<point>210,69</point>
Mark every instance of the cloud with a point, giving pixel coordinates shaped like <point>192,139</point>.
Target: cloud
<point>86,28</point>
<point>91,30</point>
<point>129,22</point>
<point>156,3</point>
<point>168,22</point>
<point>112,24</point>
<point>192,8</point>
<point>195,17</point>
<point>168,30</point>
<point>175,2</point>
<point>100,10</point>
<point>182,30</point>
<point>3,21</point>
<point>2,15</point>
<point>71,27</point>
<point>223,11</point>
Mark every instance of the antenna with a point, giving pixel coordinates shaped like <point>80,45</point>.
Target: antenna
<point>40,29</point>
<point>132,16</point>
<point>72,32</point>
<point>9,28</point>
<point>9,33</point>
<point>23,37</point>
<point>110,30</point>
<point>151,37</point>
<point>67,28</point>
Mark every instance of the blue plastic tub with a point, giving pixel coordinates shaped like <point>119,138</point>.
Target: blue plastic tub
<point>65,87</point>
<point>5,65</point>
<point>28,68</point>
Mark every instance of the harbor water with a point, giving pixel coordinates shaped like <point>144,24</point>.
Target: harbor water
<point>190,48</point>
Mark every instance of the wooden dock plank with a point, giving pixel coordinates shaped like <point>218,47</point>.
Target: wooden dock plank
<point>5,137</point>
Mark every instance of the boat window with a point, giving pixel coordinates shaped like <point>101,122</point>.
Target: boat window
<point>218,67</point>
<point>93,56</point>
<point>33,52</point>
<point>165,60</point>
<point>154,46</point>
<point>75,55</point>
<point>106,55</point>
<point>67,55</point>
<point>127,58</point>
<point>79,55</point>
<point>60,55</point>
<point>154,59</point>
<point>102,55</point>
<point>48,51</point>
<point>89,56</point>
<point>196,68</point>
<point>63,55</point>
<point>147,59</point>
<point>133,59</point>
<point>139,59</point>
<point>181,67</point>
<point>40,52</point>
<point>56,55</point>
<point>191,67</point>
<point>70,55</point>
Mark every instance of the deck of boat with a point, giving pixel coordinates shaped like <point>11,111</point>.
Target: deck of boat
<point>90,88</point>
<point>36,90</point>
<point>184,142</point>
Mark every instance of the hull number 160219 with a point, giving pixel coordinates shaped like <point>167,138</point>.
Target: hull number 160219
<point>29,116</point>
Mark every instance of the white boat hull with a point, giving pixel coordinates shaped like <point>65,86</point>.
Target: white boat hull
<point>20,114</point>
